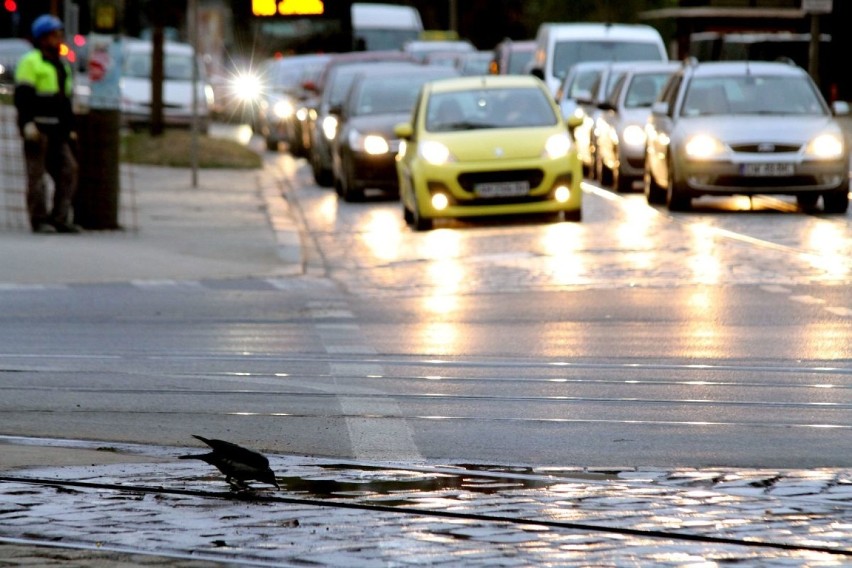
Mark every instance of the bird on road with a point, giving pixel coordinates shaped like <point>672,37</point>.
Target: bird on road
<point>237,463</point>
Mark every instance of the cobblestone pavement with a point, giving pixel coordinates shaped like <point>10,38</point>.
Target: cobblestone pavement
<point>161,511</point>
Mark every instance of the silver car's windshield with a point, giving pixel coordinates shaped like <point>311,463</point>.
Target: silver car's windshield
<point>751,94</point>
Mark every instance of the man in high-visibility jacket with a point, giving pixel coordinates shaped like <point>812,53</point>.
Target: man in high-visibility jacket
<point>43,98</point>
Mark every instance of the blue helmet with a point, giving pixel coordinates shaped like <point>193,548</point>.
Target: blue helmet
<point>44,25</point>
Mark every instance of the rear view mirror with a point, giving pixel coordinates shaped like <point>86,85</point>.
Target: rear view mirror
<point>403,130</point>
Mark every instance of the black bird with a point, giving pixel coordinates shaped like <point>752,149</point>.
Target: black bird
<point>237,463</point>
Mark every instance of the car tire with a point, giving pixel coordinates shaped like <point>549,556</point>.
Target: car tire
<point>620,182</point>
<point>677,198</point>
<point>574,216</point>
<point>836,201</point>
<point>420,223</point>
<point>654,193</point>
<point>807,201</point>
<point>603,173</point>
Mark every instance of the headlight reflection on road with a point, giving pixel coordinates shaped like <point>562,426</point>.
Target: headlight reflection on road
<point>563,244</point>
<point>829,241</point>
<point>381,235</point>
<point>634,235</point>
<point>328,209</point>
<point>704,262</point>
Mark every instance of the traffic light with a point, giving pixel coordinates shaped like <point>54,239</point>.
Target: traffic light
<point>10,5</point>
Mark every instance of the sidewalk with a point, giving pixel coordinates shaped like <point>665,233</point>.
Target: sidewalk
<point>235,223</point>
<point>142,506</point>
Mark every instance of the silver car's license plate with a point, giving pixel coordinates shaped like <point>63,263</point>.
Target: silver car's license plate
<point>771,169</point>
<point>502,189</point>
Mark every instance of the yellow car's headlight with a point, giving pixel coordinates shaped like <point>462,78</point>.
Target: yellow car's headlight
<point>370,143</point>
<point>703,147</point>
<point>435,153</point>
<point>634,135</point>
<point>825,147</point>
<point>557,146</point>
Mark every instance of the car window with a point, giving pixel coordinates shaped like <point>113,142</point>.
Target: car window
<point>489,108</point>
<point>175,66</point>
<point>387,95</point>
<point>568,53</point>
<point>584,84</point>
<point>750,94</point>
<point>644,89</point>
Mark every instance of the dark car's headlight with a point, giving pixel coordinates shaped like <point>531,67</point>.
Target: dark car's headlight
<point>372,144</point>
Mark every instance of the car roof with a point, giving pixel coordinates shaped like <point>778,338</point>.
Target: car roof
<point>559,30</point>
<point>485,81</point>
<point>718,68</point>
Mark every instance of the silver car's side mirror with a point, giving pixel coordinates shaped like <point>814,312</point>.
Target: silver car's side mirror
<point>840,108</point>
<point>660,107</point>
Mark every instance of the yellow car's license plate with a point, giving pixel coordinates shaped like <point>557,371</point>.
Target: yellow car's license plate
<point>502,189</point>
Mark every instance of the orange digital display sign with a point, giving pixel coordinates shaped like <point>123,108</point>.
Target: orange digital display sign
<point>296,8</point>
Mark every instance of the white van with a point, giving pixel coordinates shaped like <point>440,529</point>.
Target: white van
<point>560,45</point>
<point>384,26</point>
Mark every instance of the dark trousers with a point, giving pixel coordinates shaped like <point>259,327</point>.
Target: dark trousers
<point>51,155</point>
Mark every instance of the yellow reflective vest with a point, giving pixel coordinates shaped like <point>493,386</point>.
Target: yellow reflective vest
<point>43,92</point>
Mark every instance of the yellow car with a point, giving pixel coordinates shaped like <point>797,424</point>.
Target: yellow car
<point>485,146</point>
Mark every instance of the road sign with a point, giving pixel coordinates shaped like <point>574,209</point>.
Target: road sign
<point>817,6</point>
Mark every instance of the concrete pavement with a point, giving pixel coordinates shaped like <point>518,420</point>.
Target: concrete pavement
<point>139,505</point>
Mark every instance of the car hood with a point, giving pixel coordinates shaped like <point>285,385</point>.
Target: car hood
<point>736,129</point>
<point>378,123</point>
<point>498,143</point>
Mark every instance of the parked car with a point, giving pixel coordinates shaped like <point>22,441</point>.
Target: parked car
<point>745,128</point>
<point>364,150</point>
<point>485,146</point>
<point>282,81</point>
<point>11,50</point>
<point>178,111</point>
<point>512,57</point>
<point>331,86</point>
<point>620,130</point>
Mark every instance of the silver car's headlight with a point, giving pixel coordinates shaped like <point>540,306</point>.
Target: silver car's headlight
<point>825,147</point>
<point>435,153</point>
<point>372,144</point>
<point>703,147</point>
<point>634,135</point>
<point>557,146</point>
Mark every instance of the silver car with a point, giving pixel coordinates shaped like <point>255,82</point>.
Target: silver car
<point>620,140</point>
<point>745,128</point>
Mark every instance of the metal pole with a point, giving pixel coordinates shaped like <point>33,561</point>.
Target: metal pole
<point>813,50</point>
<point>193,22</point>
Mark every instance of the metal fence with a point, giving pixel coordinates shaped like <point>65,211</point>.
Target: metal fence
<point>13,209</point>
<point>13,182</point>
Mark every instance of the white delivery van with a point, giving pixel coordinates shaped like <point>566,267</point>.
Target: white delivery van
<point>561,45</point>
<point>384,26</point>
